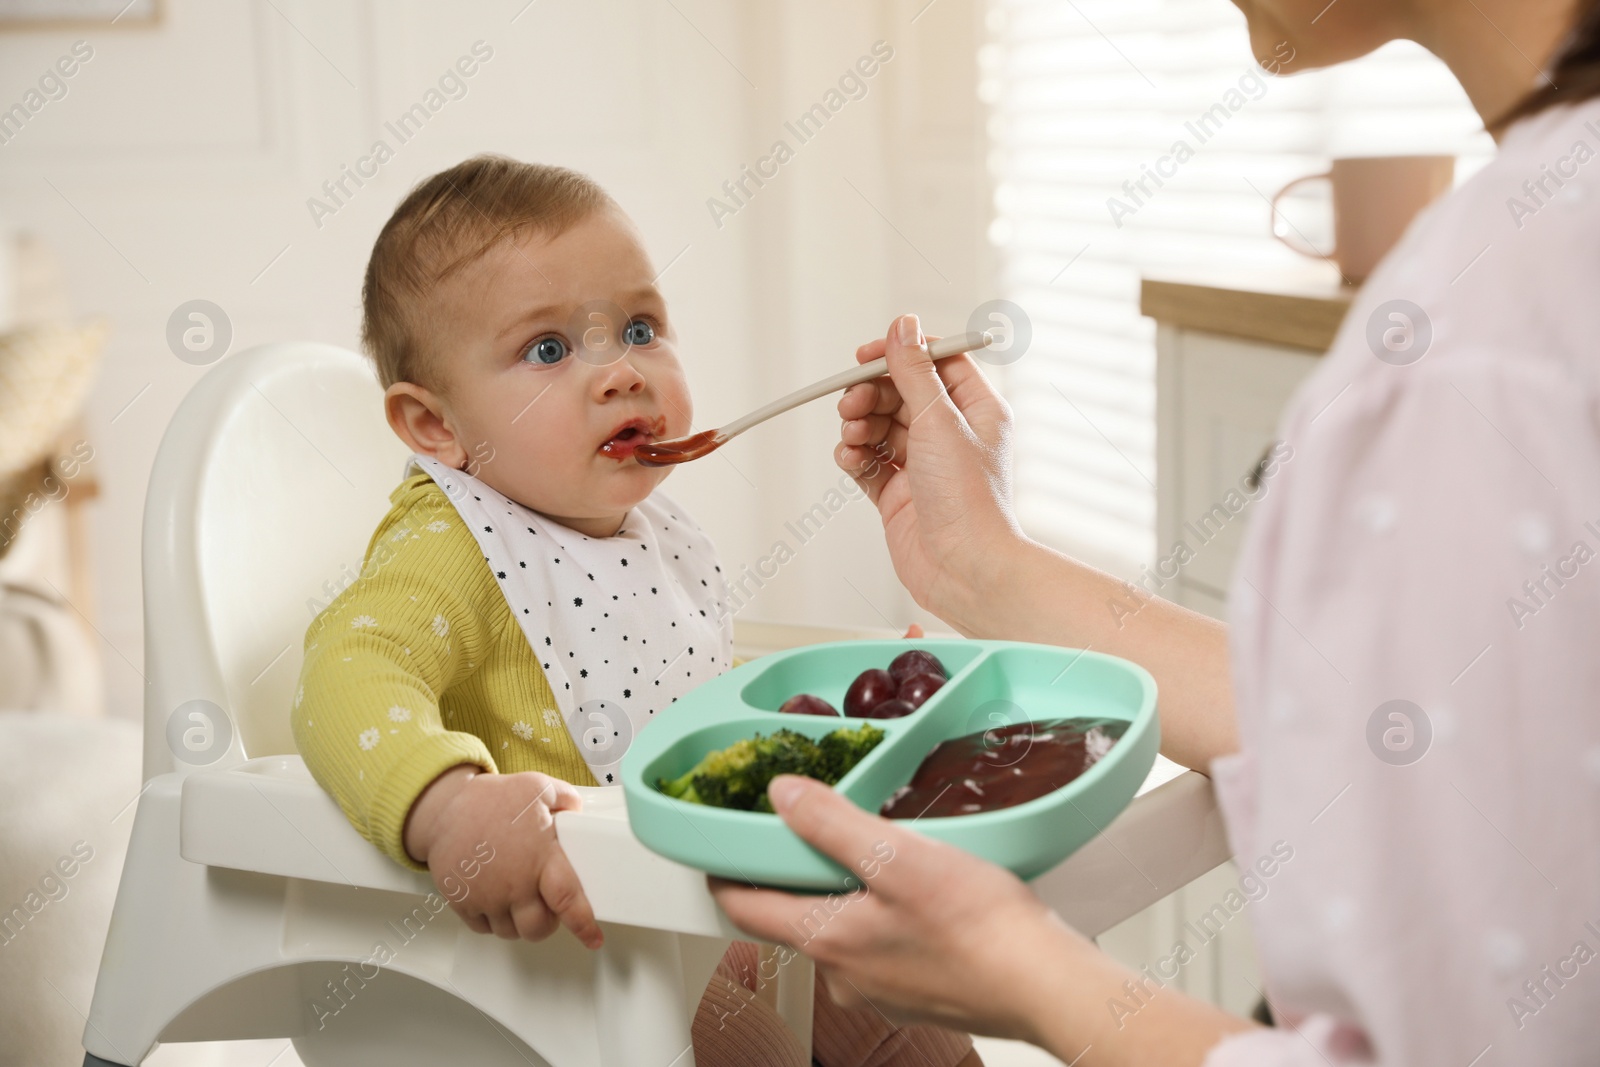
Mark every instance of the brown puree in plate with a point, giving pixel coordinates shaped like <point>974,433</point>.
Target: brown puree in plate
<point>1002,767</point>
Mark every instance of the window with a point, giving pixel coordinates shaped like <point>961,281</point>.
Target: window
<point>1084,95</point>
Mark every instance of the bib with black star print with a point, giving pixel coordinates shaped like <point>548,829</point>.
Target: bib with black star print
<point>623,625</point>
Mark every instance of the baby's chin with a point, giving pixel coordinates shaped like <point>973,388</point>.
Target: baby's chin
<point>626,487</point>
<point>610,490</point>
<point>609,493</point>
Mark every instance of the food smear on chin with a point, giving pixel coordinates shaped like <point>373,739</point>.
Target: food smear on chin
<point>1002,767</point>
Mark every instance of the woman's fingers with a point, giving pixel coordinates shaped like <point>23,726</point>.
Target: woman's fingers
<point>870,351</point>
<point>844,992</point>
<point>865,431</point>
<point>894,448</point>
<point>763,913</point>
<point>881,435</point>
<point>916,375</point>
<point>877,397</point>
<point>860,463</point>
<point>831,822</point>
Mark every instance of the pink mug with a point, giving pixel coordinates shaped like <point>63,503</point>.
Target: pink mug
<point>1374,200</point>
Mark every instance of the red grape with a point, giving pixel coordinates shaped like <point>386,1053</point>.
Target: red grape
<point>916,661</point>
<point>917,688</point>
<point>871,688</point>
<point>806,704</point>
<point>893,708</point>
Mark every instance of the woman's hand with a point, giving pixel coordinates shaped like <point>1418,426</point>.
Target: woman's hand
<point>933,935</point>
<point>930,445</point>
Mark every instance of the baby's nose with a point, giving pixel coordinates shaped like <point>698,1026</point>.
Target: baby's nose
<point>616,388</point>
<point>617,377</point>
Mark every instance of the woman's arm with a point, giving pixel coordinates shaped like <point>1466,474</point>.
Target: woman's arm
<point>1041,595</point>
<point>935,934</point>
<point>932,449</point>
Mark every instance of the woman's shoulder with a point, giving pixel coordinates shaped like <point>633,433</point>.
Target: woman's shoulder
<point>1507,260</point>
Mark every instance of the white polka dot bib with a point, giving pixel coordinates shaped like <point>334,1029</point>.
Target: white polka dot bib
<point>623,625</point>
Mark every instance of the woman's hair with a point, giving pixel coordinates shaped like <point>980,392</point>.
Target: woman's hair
<point>445,223</point>
<point>1576,72</point>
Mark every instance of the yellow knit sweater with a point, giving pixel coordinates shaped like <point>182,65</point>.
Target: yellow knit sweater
<point>418,666</point>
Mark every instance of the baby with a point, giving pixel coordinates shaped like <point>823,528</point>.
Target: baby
<point>532,599</point>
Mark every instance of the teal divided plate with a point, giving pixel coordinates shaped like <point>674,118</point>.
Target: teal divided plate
<point>991,684</point>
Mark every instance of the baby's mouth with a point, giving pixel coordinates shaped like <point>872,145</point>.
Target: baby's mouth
<point>620,445</point>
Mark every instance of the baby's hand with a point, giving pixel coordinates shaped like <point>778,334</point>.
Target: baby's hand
<point>489,841</point>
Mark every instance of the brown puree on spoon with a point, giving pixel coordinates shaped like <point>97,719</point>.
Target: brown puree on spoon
<point>680,450</point>
<point>1002,767</point>
<point>684,449</point>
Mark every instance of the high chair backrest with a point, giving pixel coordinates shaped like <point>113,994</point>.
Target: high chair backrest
<point>264,493</point>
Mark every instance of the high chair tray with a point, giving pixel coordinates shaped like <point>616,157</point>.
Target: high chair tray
<point>990,683</point>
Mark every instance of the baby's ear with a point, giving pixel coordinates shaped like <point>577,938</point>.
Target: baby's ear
<point>418,417</point>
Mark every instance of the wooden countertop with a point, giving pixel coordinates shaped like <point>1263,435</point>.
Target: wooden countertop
<point>1302,309</point>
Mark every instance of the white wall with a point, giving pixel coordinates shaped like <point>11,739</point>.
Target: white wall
<point>179,164</point>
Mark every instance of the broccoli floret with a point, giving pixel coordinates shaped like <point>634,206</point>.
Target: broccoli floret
<point>714,768</point>
<point>844,748</point>
<point>737,776</point>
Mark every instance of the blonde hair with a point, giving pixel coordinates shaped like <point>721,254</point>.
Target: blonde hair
<point>447,222</point>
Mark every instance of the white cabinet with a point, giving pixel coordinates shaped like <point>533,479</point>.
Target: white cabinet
<point>1218,402</point>
<point>1228,357</point>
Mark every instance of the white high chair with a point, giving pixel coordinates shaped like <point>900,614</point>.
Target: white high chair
<point>250,908</point>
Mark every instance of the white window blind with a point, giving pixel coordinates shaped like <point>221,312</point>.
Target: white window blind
<point>1085,95</point>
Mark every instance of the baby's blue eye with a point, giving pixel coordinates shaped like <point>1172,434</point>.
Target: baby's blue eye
<point>546,350</point>
<point>638,332</point>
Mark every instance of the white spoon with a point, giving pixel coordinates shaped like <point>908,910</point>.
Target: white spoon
<point>684,449</point>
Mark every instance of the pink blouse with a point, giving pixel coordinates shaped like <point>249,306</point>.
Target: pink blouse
<point>1416,647</point>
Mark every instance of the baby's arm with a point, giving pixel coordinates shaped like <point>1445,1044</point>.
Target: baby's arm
<point>501,827</point>
<point>366,719</point>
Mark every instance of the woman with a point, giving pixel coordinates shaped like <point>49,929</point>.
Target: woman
<point>1429,540</point>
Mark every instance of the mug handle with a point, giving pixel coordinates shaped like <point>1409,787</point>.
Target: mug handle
<point>1332,253</point>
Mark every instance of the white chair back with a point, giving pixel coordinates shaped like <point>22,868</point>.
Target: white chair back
<point>265,491</point>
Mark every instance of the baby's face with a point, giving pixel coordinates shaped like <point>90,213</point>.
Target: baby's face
<point>558,360</point>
